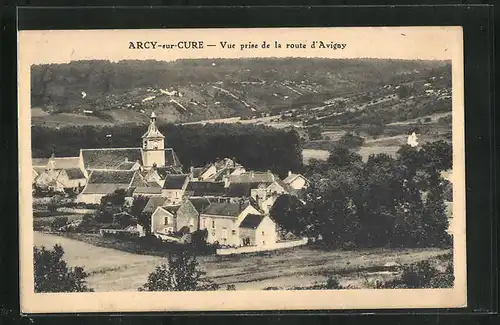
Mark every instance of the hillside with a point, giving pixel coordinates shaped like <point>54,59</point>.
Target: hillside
<point>101,92</point>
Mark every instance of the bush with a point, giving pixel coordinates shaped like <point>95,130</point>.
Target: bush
<point>58,222</point>
<point>419,276</point>
<point>350,141</point>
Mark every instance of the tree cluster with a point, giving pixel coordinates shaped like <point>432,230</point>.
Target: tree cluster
<point>397,202</point>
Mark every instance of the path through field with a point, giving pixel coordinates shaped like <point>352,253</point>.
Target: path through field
<point>114,270</point>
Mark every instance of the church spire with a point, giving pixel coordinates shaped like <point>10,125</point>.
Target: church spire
<point>153,131</point>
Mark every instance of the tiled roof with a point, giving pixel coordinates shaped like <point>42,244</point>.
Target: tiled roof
<point>241,189</point>
<point>111,177</point>
<point>138,181</point>
<point>126,165</point>
<point>110,158</point>
<point>290,178</point>
<point>251,221</point>
<point>147,190</point>
<point>75,173</point>
<point>103,188</point>
<point>286,186</point>
<point>224,209</point>
<point>200,203</point>
<point>171,208</point>
<point>171,158</point>
<point>153,203</point>
<point>175,182</point>
<point>206,189</point>
<point>167,170</point>
<point>219,176</point>
<point>253,177</point>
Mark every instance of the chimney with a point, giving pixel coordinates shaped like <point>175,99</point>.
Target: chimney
<point>289,173</point>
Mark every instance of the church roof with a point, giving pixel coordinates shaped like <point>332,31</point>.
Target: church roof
<point>110,158</point>
<point>171,158</point>
<point>153,131</point>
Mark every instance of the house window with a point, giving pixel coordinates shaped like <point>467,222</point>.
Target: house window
<point>262,233</point>
<point>224,233</point>
<point>213,224</point>
<point>167,221</point>
<point>203,224</point>
<point>233,232</point>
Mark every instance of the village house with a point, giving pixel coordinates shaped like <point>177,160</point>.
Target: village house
<point>153,203</point>
<point>59,174</point>
<point>172,219</point>
<point>203,173</point>
<point>257,230</point>
<point>222,221</point>
<point>205,189</point>
<point>71,179</point>
<point>296,181</point>
<point>174,187</point>
<point>267,193</point>
<point>103,182</point>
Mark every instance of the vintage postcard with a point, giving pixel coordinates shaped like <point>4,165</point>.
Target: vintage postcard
<point>241,169</point>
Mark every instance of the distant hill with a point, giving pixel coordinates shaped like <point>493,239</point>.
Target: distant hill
<point>100,92</point>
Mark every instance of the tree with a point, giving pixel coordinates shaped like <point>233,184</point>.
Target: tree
<point>434,218</point>
<point>350,141</point>
<point>144,220</point>
<point>53,275</point>
<point>342,157</point>
<point>314,132</point>
<point>437,155</point>
<point>287,213</point>
<point>138,205</point>
<point>181,273</point>
<point>110,205</point>
<point>199,238</point>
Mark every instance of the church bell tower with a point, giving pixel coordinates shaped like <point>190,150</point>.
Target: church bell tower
<point>153,145</point>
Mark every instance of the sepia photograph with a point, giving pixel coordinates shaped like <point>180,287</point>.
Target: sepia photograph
<point>233,169</point>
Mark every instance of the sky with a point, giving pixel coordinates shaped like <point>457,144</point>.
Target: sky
<point>426,43</point>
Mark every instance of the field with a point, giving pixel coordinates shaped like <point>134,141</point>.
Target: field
<point>115,270</point>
